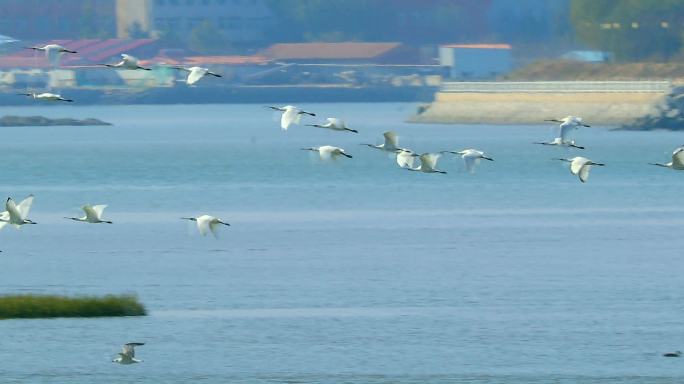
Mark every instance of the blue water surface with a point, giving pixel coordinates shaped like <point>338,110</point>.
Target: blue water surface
<point>352,271</point>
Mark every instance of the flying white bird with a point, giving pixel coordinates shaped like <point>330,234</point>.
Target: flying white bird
<point>567,124</point>
<point>46,96</point>
<point>677,162</point>
<point>16,215</point>
<point>581,166</point>
<point>406,158</point>
<point>127,62</point>
<point>327,152</point>
<point>291,115</point>
<point>127,354</point>
<point>335,124</point>
<point>561,143</point>
<point>53,52</point>
<point>93,214</point>
<point>428,163</point>
<point>206,223</point>
<point>50,48</point>
<point>391,143</point>
<point>471,157</point>
<point>195,73</point>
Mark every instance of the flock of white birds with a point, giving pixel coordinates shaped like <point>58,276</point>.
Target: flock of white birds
<point>406,158</point>
<point>17,214</point>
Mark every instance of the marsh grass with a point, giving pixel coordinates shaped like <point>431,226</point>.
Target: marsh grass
<point>47,306</point>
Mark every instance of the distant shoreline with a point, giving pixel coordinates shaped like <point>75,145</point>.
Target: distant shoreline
<point>42,121</point>
<point>238,94</point>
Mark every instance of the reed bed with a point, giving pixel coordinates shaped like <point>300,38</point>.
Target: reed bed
<point>49,306</point>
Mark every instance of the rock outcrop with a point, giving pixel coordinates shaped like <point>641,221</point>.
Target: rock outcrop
<point>668,114</point>
<point>29,121</point>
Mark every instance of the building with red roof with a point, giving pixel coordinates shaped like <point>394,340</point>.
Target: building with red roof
<point>343,52</point>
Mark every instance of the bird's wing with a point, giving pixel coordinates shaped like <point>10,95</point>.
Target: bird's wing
<point>429,160</point>
<point>25,206</point>
<point>94,212</point>
<point>678,158</point>
<point>289,117</point>
<point>129,59</point>
<point>53,56</point>
<point>90,212</point>
<point>326,152</point>
<point>565,129</point>
<point>195,75</point>
<point>391,140</point>
<point>404,159</point>
<point>4,218</point>
<point>99,209</point>
<point>577,164</point>
<point>471,162</point>
<point>203,226</point>
<point>584,173</point>
<point>12,208</point>
<point>213,226</point>
<point>178,67</point>
<point>335,122</point>
<point>128,350</point>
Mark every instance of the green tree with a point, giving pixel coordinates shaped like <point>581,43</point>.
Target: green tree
<point>630,29</point>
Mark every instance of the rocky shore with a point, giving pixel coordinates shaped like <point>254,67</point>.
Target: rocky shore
<point>667,115</point>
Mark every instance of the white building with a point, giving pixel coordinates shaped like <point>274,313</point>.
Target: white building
<point>240,21</point>
<point>476,61</point>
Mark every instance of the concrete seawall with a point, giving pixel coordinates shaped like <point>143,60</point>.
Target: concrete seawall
<point>601,103</point>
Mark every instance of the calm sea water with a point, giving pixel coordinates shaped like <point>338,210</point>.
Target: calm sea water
<point>347,272</point>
